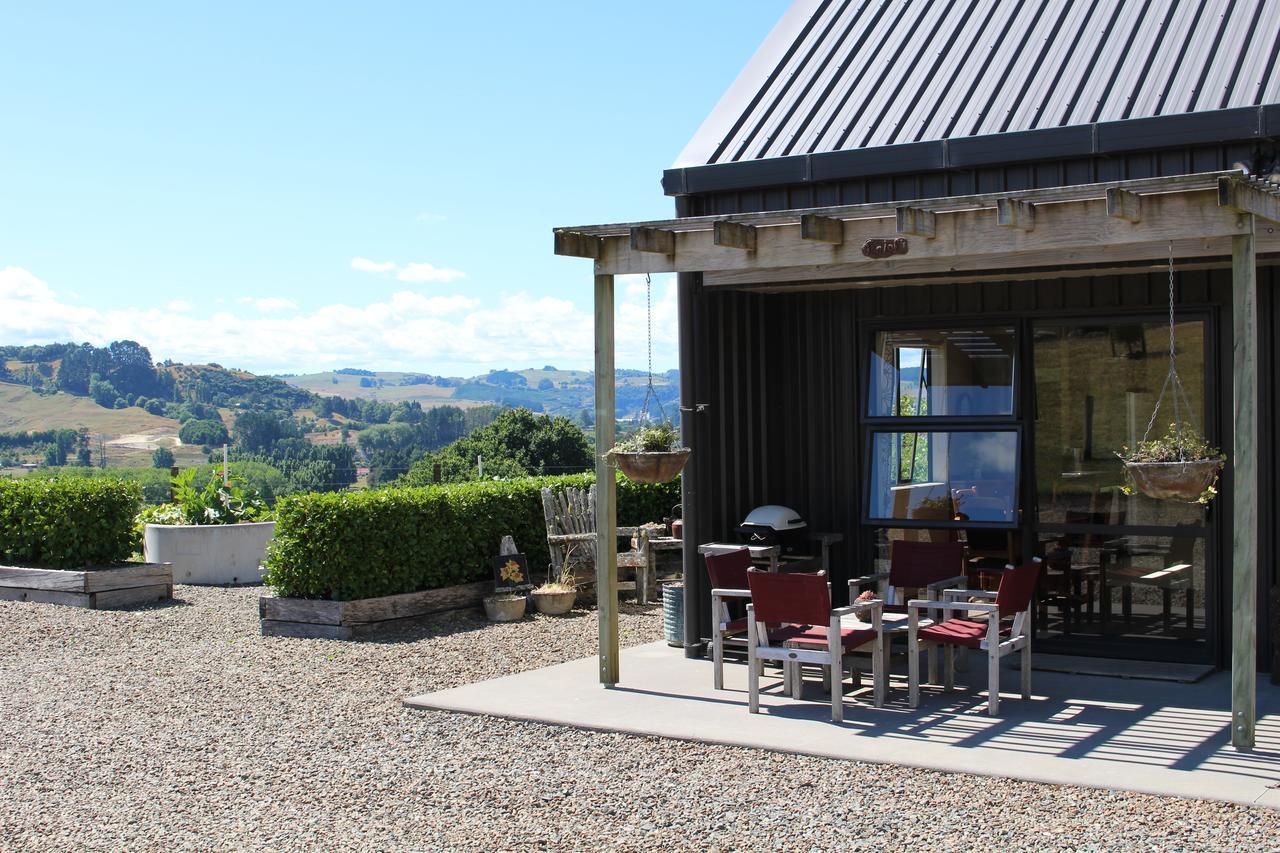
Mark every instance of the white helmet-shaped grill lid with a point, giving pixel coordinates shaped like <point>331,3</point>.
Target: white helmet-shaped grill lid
<point>775,517</point>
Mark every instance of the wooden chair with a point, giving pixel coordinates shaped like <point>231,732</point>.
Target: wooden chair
<point>925,566</point>
<point>790,620</point>
<point>1011,602</point>
<point>571,535</point>
<point>728,575</point>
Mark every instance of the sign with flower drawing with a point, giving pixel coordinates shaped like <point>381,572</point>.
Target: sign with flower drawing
<point>511,571</point>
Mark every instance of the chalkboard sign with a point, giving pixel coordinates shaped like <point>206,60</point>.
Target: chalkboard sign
<point>511,572</point>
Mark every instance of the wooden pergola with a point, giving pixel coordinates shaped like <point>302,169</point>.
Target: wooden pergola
<point>1056,232</point>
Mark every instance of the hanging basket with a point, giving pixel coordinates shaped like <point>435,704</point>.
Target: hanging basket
<point>651,466</point>
<point>1175,480</point>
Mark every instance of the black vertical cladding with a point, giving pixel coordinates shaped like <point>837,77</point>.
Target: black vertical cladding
<point>780,372</point>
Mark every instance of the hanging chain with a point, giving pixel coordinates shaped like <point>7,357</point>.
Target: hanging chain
<point>1180,399</point>
<point>650,392</point>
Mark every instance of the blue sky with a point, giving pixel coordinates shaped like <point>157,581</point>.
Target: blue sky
<point>297,187</point>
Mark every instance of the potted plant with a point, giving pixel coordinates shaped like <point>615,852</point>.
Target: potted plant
<point>213,533</point>
<point>652,454</point>
<point>1180,465</point>
<point>557,596</point>
<point>508,602</point>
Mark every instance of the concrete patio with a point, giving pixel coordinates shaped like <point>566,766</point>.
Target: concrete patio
<point>1156,737</point>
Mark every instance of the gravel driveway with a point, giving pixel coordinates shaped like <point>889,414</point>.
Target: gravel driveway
<point>178,727</point>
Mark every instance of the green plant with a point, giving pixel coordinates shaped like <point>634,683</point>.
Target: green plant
<point>68,523</point>
<point>349,545</point>
<point>658,438</point>
<point>1179,444</point>
<point>216,502</point>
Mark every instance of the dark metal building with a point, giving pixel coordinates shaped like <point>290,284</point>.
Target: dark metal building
<point>853,101</point>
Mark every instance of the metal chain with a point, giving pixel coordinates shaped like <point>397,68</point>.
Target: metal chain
<point>1179,393</point>
<point>650,392</point>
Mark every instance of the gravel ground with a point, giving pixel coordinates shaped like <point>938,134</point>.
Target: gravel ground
<point>178,727</point>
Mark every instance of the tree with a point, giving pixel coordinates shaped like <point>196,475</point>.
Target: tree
<point>200,431</point>
<point>518,443</point>
<point>259,431</point>
<point>162,457</point>
<point>102,391</point>
<point>546,385</point>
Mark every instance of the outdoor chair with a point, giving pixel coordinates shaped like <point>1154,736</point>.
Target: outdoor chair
<point>924,567</point>
<point>1007,629</point>
<point>728,575</point>
<point>790,620</point>
<point>570,515</point>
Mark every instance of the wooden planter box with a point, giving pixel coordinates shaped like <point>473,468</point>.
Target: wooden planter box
<point>345,620</point>
<point>98,589</point>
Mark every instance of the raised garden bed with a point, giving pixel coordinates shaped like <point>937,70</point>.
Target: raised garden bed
<point>346,620</point>
<point>97,589</point>
<point>210,553</point>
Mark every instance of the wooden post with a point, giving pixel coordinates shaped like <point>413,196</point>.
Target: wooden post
<point>1244,471</point>
<point>606,486</point>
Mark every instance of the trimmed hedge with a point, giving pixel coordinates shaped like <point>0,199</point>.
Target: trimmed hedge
<point>67,524</point>
<point>350,545</point>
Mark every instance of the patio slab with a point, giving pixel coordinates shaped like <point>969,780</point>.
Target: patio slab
<point>1154,737</point>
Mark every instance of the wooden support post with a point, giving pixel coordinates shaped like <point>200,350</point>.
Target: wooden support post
<point>656,240</point>
<point>734,235</point>
<point>823,229</point>
<point>917,222</point>
<point>1123,204</point>
<point>606,486</point>
<point>576,245</point>
<point>1016,213</point>
<point>1244,494</point>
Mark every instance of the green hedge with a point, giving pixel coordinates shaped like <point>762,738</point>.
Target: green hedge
<point>67,524</point>
<point>351,545</point>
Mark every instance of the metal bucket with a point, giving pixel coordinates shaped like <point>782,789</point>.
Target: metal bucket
<point>673,613</point>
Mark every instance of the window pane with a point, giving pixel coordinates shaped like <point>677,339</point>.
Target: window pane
<point>944,476</point>
<point>1096,387</point>
<point>943,373</point>
<point>1104,585</point>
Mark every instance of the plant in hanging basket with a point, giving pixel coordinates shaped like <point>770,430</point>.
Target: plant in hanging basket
<point>651,454</point>
<point>1180,465</point>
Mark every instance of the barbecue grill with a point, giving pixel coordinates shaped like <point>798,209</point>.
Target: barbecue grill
<point>775,525</point>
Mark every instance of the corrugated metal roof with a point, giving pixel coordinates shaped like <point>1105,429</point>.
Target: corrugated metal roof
<point>837,75</point>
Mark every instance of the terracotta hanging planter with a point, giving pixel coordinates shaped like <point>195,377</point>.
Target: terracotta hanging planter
<point>1188,481</point>
<point>652,466</point>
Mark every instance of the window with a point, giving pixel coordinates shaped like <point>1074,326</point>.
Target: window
<point>943,373</point>
<point>952,477</point>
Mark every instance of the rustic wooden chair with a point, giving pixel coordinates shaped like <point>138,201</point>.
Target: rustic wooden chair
<point>790,620</point>
<point>1006,630</point>
<point>571,535</point>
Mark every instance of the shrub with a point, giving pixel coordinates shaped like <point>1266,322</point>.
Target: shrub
<point>70,523</point>
<point>204,499</point>
<point>350,545</point>
<point>198,431</point>
<point>154,481</point>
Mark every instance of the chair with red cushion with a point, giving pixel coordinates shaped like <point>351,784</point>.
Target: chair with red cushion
<point>728,575</point>
<point>790,620</point>
<point>1006,630</point>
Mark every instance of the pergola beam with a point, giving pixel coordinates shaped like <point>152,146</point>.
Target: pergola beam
<point>822,229</point>
<point>735,235</point>
<point>1123,204</point>
<point>1259,198</point>
<point>972,235</point>
<point>1016,213</point>
<point>575,245</point>
<point>916,222</point>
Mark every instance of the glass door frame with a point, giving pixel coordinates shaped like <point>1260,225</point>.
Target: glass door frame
<point>1209,531</point>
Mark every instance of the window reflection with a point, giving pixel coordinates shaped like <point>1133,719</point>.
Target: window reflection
<point>943,373</point>
<point>945,476</point>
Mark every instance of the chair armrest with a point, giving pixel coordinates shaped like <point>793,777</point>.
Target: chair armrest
<point>878,576</point>
<point>731,593</point>
<point>947,583</point>
<point>925,604</point>
<point>872,604</point>
<point>953,594</point>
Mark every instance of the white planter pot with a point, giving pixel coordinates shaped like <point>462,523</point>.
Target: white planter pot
<point>210,553</point>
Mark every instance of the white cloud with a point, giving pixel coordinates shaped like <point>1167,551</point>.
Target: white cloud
<point>407,330</point>
<point>366,265</point>
<point>414,273</point>
<point>179,306</point>
<point>423,273</point>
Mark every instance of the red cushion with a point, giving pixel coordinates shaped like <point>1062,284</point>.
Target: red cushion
<point>958,632</point>
<point>736,626</point>
<point>816,635</point>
